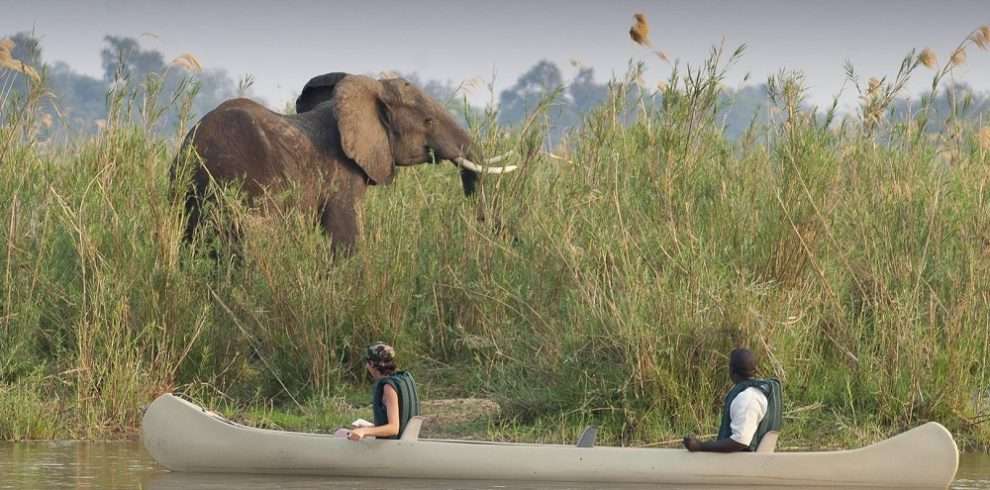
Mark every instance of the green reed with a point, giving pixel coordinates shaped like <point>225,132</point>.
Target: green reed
<point>603,286</point>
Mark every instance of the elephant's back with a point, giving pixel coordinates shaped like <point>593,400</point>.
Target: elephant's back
<point>242,141</point>
<point>234,142</point>
<point>237,122</point>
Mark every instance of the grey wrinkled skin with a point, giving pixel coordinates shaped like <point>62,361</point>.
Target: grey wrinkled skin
<point>350,132</point>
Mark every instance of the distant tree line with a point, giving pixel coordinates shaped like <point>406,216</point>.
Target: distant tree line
<point>79,103</point>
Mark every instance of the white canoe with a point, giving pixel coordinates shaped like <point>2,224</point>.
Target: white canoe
<point>184,437</point>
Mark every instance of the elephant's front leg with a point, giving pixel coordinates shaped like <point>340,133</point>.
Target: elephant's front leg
<point>341,220</point>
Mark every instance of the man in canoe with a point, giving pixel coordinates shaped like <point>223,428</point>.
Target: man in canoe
<point>751,409</point>
<point>393,397</point>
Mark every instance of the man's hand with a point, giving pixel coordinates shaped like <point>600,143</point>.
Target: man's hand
<point>692,444</point>
<point>356,434</point>
<point>726,445</point>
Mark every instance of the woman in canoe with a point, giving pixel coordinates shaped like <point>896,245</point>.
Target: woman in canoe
<point>393,397</point>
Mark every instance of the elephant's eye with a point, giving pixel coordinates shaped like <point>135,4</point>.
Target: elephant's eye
<point>429,121</point>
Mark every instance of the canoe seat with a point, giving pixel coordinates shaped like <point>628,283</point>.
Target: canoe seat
<point>588,436</point>
<point>411,432</point>
<point>769,442</point>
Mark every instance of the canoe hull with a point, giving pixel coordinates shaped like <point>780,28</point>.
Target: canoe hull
<point>183,437</point>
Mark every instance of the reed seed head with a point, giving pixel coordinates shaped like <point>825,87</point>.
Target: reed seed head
<point>982,36</point>
<point>6,48</point>
<point>979,39</point>
<point>640,31</point>
<point>958,57</point>
<point>8,61</point>
<point>188,62</point>
<point>874,85</point>
<point>928,58</point>
<point>874,115</point>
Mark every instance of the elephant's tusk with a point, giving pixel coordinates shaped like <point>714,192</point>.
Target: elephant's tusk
<point>499,158</point>
<point>557,157</point>
<point>474,167</point>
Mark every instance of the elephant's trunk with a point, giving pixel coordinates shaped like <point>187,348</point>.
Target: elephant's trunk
<point>469,179</point>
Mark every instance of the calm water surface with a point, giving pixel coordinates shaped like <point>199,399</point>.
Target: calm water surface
<point>125,465</point>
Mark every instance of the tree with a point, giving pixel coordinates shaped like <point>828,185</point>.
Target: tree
<point>79,102</point>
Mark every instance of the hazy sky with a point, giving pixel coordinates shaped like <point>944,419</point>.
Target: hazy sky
<point>282,44</point>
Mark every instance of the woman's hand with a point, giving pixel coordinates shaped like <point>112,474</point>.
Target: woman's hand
<point>391,399</point>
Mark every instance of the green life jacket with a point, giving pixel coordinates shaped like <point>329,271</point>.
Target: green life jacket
<point>771,421</point>
<point>403,384</point>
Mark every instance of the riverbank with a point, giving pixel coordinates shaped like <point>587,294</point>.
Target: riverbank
<point>604,285</point>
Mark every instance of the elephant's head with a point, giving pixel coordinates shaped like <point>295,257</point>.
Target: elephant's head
<point>389,123</point>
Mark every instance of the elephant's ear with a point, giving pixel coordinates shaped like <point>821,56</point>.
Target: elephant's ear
<point>363,135</point>
<point>318,89</point>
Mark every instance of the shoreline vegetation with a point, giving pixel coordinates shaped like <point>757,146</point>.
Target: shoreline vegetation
<point>605,286</point>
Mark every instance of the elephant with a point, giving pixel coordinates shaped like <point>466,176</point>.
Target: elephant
<point>349,132</point>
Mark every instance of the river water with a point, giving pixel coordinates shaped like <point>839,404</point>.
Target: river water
<point>125,465</point>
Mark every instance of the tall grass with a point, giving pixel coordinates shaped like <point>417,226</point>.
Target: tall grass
<point>605,286</point>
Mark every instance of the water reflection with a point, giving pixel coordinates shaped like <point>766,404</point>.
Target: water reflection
<point>125,465</point>
<point>974,472</point>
